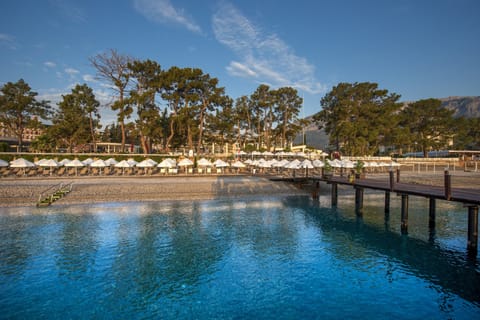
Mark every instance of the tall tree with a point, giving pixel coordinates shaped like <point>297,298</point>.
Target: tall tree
<point>211,98</point>
<point>87,101</point>
<point>146,75</point>
<point>261,103</point>
<point>173,88</point>
<point>19,107</point>
<point>71,123</point>
<point>430,125</point>
<point>287,107</point>
<point>359,117</point>
<point>242,119</point>
<point>113,68</point>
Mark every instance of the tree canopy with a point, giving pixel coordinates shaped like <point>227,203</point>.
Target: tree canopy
<point>359,117</point>
<point>19,108</point>
<point>188,108</point>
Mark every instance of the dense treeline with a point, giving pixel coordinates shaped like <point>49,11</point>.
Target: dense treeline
<point>196,110</point>
<point>362,119</point>
<point>359,118</point>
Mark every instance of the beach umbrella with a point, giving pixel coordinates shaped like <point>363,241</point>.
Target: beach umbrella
<point>88,161</point>
<point>76,164</point>
<point>166,163</point>
<point>204,163</point>
<point>98,164</point>
<point>51,163</point>
<point>294,164</point>
<point>123,164</point>
<point>3,163</point>
<point>238,164</point>
<point>185,163</point>
<point>39,162</point>
<point>147,163</point>
<point>152,161</point>
<point>111,162</point>
<point>219,163</point>
<point>306,164</point>
<point>22,163</point>
<point>262,163</point>
<point>65,161</point>
<point>132,162</point>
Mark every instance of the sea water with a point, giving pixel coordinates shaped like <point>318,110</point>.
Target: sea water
<point>253,258</point>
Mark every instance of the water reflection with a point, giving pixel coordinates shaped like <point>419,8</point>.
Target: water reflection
<point>353,238</point>
<point>236,257</point>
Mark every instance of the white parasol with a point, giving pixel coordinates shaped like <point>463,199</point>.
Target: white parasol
<point>22,163</point>
<point>123,164</point>
<point>99,164</point>
<point>3,163</point>
<point>76,164</point>
<point>204,163</point>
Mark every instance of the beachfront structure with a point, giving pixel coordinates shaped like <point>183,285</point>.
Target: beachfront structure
<point>29,134</point>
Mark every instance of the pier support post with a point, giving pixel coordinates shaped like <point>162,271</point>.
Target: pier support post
<point>359,201</point>
<point>472,243</point>
<point>398,175</point>
<point>448,185</point>
<point>334,194</point>
<point>316,192</point>
<point>387,202</point>
<point>391,179</point>
<point>431,213</point>
<point>404,218</point>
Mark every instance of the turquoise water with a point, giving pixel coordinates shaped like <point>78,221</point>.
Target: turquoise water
<point>269,258</point>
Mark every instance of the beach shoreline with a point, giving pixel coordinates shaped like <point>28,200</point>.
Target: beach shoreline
<point>25,192</point>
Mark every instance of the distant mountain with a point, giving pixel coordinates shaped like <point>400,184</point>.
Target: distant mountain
<point>468,107</point>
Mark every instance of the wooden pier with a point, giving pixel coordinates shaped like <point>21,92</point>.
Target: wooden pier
<point>468,197</point>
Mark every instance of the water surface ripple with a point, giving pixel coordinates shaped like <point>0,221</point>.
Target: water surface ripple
<point>269,258</point>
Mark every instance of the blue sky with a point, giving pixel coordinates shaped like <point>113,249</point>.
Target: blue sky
<point>416,48</point>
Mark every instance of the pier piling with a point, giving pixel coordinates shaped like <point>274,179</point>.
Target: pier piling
<point>431,213</point>
<point>390,173</point>
<point>448,185</point>
<point>334,194</point>
<point>472,243</point>
<point>387,202</point>
<point>359,201</point>
<point>404,218</point>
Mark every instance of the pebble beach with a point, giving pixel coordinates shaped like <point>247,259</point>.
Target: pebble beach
<point>25,192</point>
<point>21,192</point>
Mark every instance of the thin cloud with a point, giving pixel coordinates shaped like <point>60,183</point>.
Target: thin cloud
<point>8,41</point>
<point>241,70</point>
<point>163,11</point>
<point>266,57</point>
<point>89,78</point>
<point>72,72</point>
<point>49,64</point>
